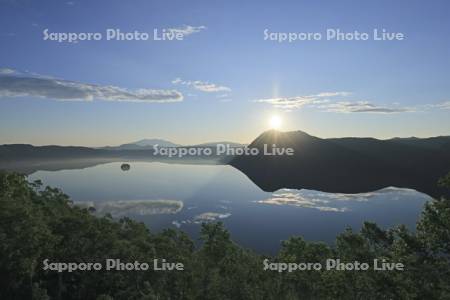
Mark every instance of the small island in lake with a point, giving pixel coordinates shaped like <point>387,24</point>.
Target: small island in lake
<point>125,167</point>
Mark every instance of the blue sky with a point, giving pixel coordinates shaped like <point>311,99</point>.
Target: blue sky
<point>223,81</point>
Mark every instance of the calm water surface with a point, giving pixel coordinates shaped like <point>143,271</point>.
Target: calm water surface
<point>175,195</point>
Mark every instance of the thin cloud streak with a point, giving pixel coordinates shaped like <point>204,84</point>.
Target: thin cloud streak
<point>187,29</point>
<point>290,103</point>
<point>443,105</point>
<point>13,85</point>
<point>362,107</point>
<point>329,102</point>
<point>203,86</point>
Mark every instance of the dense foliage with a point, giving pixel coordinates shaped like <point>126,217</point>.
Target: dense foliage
<point>39,223</point>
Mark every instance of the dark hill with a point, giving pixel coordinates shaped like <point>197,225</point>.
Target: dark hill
<point>348,165</point>
<point>24,151</point>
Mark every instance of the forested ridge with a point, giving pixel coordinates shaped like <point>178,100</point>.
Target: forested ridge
<point>38,223</point>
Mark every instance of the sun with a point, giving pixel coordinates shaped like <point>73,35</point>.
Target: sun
<point>275,122</point>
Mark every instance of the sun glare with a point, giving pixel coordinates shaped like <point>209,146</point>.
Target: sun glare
<point>275,122</point>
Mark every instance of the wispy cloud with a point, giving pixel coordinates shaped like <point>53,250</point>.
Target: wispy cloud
<point>290,103</point>
<point>334,202</point>
<point>294,198</point>
<point>134,207</point>
<point>15,84</point>
<point>187,29</point>
<point>203,86</point>
<point>442,105</point>
<point>4,71</point>
<point>362,107</point>
<point>203,218</point>
<point>332,102</point>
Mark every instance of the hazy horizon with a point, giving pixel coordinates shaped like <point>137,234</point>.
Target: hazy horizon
<point>212,141</point>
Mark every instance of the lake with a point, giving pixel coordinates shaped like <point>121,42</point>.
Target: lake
<point>183,196</point>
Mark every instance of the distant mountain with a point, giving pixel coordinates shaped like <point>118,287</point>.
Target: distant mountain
<point>348,165</point>
<point>147,144</point>
<point>152,142</point>
<point>214,144</point>
<point>13,152</point>
<point>144,144</point>
<point>440,142</point>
